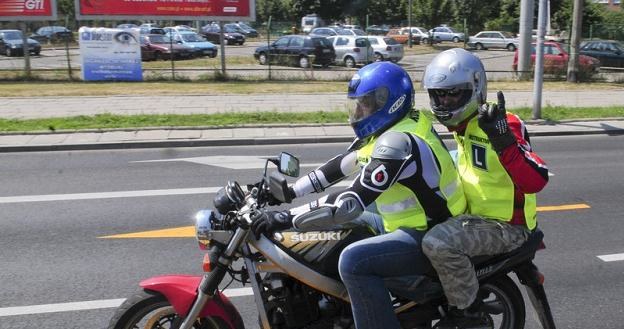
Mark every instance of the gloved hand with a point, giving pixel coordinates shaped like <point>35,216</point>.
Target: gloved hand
<point>493,121</point>
<point>270,221</point>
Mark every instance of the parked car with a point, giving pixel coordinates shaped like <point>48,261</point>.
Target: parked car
<point>160,47</point>
<point>610,53</point>
<point>52,34</point>
<point>352,51</point>
<point>493,39</point>
<point>297,50</point>
<point>327,31</point>
<point>419,34</point>
<point>245,29</point>
<point>378,29</point>
<point>230,36</point>
<point>127,26</point>
<point>151,30</point>
<point>556,59</point>
<point>401,36</point>
<point>351,27</point>
<point>11,43</point>
<point>193,40</point>
<point>353,32</point>
<point>446,33</point>
<point>386,48</point>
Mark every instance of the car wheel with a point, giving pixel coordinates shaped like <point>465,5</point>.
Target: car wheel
<point>241,43</point>
<point>479,46</point>
<point>158,56</point>
<point>511,47</point>
<point>304,62</point>
<point>455,39</point>
<point>262,59</point>
<point>425,41</point>
<point>37,53</point>
<point>10,52</point>
<point>349,62</point>
<point>378,57</point>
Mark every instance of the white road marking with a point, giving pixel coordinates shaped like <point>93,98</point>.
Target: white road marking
<point>118,194</point>
<point>90,304</point>
<point>227,161</point>
<point>612,257</point>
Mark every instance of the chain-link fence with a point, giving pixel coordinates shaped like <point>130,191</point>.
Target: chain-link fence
<point>605,31</point>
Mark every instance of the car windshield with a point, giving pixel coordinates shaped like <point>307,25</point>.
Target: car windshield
<point>508,35</point>
<point>159,39</point>
<point>245,26</point>
<point>358,32</point>
<point>13,35</point>
<point>192,37</point>
<point>343,32</point>
<point>321,42</point>
<point>390,41</point>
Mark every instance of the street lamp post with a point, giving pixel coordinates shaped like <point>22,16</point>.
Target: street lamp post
<point>409,23</point>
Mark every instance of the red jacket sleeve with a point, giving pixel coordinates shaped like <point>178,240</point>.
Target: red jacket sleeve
<point>527,170</point>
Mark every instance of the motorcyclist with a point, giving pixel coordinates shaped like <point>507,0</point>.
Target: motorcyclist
<point>404,168</point>
<point>500,174</point>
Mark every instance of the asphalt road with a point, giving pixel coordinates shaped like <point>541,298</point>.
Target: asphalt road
<point>57,271</point>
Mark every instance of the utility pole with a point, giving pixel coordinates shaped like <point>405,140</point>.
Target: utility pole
<point>524,49</point>
<point>577,22</point>
<point>538,79</point>
<point>409,23</point>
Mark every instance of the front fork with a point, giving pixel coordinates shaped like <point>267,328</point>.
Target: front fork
<point>533,280</point>
<point>209,284</point>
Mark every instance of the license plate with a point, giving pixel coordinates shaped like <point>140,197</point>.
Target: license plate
<point>326,51</point>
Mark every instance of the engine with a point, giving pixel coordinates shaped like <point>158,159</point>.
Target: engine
<point>291,304</point>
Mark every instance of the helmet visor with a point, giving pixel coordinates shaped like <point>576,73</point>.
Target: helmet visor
<point>451,99</point>
<point>361,107</point>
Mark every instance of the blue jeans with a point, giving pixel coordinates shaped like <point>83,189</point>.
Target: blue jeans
<point>363,266</point>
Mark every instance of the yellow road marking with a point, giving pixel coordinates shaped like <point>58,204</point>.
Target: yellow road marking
<point>177,232</point>
<point>189,231</point>
<point>564,207</point>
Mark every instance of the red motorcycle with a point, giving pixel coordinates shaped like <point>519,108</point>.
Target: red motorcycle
<point>294,275</point>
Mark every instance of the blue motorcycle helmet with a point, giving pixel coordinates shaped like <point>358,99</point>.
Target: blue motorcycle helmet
<point>380,94</point>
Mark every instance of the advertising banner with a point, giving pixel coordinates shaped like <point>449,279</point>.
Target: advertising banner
<point>110,54</point>
<point>27,10</point>
<point>217,10</point>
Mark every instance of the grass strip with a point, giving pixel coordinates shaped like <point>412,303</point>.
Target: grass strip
<point>113,121</point>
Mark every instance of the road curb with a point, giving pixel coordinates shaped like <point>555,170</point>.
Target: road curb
<point>244,142</point>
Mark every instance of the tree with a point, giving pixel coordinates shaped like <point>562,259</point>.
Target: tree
<point>432,13</point>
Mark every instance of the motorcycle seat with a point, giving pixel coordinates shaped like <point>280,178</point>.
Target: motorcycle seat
<point>525,251</point>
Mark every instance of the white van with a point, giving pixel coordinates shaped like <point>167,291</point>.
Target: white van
<point>308,22</point>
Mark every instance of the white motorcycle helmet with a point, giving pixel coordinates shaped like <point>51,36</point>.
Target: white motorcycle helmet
<point>456,83</point>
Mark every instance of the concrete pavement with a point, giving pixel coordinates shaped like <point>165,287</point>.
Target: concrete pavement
<point>39,107</point>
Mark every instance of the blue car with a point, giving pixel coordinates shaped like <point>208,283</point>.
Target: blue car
<point>11,43</point>
<point>194,41</point>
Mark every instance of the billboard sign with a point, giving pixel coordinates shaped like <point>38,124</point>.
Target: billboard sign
<point>110,54</point>
<point>216,10</point>
<point>27,10</point>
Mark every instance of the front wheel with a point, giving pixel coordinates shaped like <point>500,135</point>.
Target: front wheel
<point>151,310</point>
<point>263,59</point>
<point>349,62</point>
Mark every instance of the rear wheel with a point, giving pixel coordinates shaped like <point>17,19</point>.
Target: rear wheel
<point>511,47</point>
<point>378,57</point>
<point>455,39</point>
<point>425,41</point>
<point>151,310</point>
<point>158,56</point>
<point>349,62</point>
<point>503,303</point>
<point>479,46</point>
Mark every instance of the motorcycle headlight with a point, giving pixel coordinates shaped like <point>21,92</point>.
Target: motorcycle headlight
<point>205,231</point>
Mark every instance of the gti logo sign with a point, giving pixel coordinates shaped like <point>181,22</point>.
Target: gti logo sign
<point>33,4</point>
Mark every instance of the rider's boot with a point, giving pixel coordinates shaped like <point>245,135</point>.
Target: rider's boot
<point>472,317</point>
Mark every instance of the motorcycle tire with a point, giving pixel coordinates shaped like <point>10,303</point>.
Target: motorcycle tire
<point>503,302</point>
<point>151,310</point>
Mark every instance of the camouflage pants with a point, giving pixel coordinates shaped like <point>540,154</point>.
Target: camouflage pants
<point>450,244</point>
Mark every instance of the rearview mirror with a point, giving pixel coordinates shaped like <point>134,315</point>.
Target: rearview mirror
<point>288,164</point>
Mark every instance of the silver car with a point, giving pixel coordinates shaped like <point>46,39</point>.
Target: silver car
<point>351,50</point>
<point>386,48</point>
<point>446,33</point>
<point>493,39</point>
